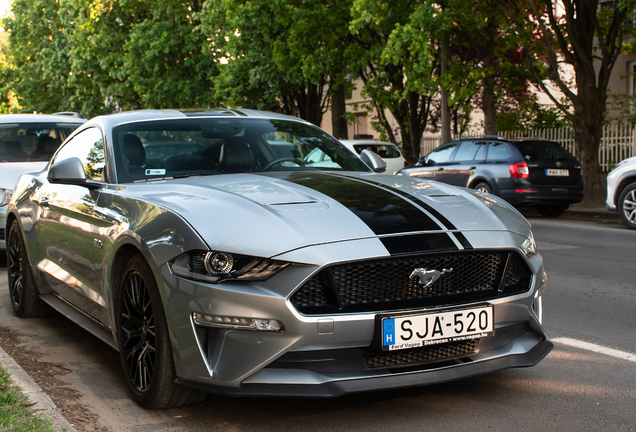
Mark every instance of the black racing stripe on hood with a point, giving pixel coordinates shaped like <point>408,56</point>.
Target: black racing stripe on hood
<point>463,240</point>
<point>418,243</point>
<point>447,224</point>
<point>382,211</point>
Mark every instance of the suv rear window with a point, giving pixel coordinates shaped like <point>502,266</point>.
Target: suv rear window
<point>542,150</point>
<point>382,150</point>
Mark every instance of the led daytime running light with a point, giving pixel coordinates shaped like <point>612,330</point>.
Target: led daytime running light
<point>256,324</point>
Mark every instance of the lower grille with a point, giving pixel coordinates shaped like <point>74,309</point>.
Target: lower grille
<point>386,284</point>
<point>410,357</point>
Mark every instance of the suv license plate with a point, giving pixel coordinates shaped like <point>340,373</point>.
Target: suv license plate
<point>557,172</point>
<point>416,330</point>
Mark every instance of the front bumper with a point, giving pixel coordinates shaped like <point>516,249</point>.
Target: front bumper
<point>324,355</point>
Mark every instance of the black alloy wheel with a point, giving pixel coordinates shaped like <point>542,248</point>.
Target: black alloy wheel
<point>15,268</point>
<point>144,340</point>
<point>138,330</point>
<point>25,300</point>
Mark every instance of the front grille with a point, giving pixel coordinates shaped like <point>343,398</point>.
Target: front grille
<point>384,284</point>
<point>1,233</point>
<point>410,357</point>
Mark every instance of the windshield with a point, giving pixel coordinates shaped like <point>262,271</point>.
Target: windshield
<point>31,142</point>
<point>207,146</point>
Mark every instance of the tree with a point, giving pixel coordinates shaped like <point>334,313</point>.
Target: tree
<point>585,37</point>
<point>278,55</point>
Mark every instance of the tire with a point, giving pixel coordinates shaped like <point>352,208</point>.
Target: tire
<point>483,187</point>
<point>25,300</point>
<point>553,211</point>
<point>144,341</point>
<point>627,206</point>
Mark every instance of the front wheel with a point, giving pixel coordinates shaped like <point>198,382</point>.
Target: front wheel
<point>24,295</point>
<point>627,206</point>
<point>144,341</point>
<point>552,211</point>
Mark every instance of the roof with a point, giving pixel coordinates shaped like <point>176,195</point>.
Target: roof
<point>38,118</point>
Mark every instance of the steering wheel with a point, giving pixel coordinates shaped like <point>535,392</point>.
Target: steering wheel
<point>275,162</point>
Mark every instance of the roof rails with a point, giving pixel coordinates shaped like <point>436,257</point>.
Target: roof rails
<point>70,113</point>
<point>481,136</point>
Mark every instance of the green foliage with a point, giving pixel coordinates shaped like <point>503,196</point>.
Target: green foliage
<point>530,117</point>
<point>15,414</point>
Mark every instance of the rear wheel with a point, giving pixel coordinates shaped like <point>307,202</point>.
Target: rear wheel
<point>24,295</point>
<point>552,211</point>
<point>144,341</point>
<point>483,187</point>
<point>627,206</point>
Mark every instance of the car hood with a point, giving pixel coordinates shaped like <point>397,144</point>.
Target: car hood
<point>267,214</point>
<point>10,172</point>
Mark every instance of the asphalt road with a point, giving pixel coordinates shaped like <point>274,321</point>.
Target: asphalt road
<point>591,298</point>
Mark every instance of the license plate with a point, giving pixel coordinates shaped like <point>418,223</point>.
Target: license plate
<point>557,172</point>
<point>416,330</point>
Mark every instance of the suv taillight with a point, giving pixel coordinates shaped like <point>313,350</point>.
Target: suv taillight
<point>406,163</point>
<point>519,170</point>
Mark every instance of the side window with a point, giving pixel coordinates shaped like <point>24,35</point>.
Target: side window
<point>441,154</point>
<point>88,146</point>
<point>466,151</point>
<point>481,151</point>
<point>498,152</point>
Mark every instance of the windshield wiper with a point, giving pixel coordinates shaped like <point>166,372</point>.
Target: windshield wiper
<point>179,176</point>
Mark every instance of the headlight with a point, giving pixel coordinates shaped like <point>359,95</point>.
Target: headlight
<point>5,196</point>
<point>529,247</point>
<point>210,266</point>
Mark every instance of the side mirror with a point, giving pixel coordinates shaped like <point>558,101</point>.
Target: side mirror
<point>375,162</point>
<point>71,171</point>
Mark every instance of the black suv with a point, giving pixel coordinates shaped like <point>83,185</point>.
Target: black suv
<point>523,171</point>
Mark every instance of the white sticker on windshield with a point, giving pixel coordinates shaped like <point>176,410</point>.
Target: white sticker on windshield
<point>155,172</point>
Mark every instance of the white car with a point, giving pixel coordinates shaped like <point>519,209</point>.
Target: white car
<point>27,142</point>
<point>621,191</point>
<point>389,152</point>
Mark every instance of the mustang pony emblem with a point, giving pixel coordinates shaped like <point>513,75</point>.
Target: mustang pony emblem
<point>427,277</point>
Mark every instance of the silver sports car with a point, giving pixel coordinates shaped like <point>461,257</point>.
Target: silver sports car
<point>248,253</point>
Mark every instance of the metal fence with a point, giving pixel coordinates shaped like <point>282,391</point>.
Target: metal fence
<point>618,142</point>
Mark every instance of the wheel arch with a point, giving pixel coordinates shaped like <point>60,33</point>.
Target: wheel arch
<point>626,181</point>
<point>474,182</point>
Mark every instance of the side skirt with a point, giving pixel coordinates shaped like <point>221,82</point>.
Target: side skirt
<point>85,321</point>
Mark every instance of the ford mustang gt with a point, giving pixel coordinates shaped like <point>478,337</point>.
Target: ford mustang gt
<point>248,253</point>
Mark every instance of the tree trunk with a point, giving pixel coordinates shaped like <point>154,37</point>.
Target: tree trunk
<point>445,114</point>
<point>488,100</point>
<point>587,138</point>
<point>338,110</point>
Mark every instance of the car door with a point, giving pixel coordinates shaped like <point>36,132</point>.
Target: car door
<point>495,169</point>
<point>434,164</point>
<point>460,171</point>
<point>72,265</point>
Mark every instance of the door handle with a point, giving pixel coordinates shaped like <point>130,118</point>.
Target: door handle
<point>440,169</point>
<point>44,201</point>
<point>472,168</point>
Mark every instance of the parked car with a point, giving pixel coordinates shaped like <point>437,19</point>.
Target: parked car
<point>621,191</point>
<point>523,171</point>
<point>238,266</point>
<point>389,152</point>
<point>27,142</point>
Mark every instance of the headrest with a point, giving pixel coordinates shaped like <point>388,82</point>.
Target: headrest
<point>134,150</point>
<point>237,156</point>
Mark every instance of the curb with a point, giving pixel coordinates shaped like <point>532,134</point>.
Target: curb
<point>28,387</point>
